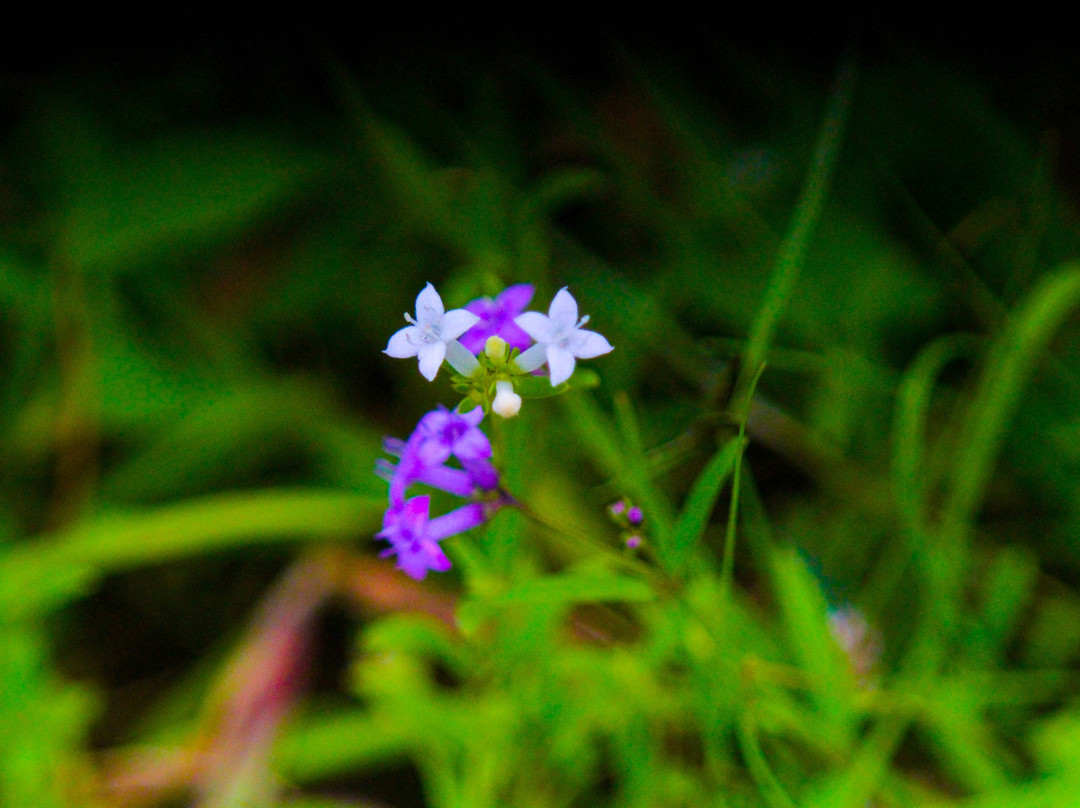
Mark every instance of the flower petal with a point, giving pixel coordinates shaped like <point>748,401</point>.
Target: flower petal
<point>417,558</point>
<point>482,307</point>
<point>560,364</point>
<point>401,344</point>
<point>474,416</point>
<point>457,521</point>
<point>455,323</point>
<point>532,358</point>
<point>563,311</point>
<point>414,517</point>
<point>514,299</point>
<point>460,359</point>
<point>431,358</point>
<point>588,344</point>
<point>536,325</point>
<point>453,481</point>
<point>429,306</point>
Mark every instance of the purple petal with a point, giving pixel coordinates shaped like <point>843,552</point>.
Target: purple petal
<point>457,521</point>
<point>482,307</point>
<point>474,416</point>
<point>473,445</point>
<point>514,299</point>
<point>452,481</point>
<point>393,446</point>
<point>475,337</point>
<point>414,516</point>
<point>423,557</point>
<point>514,335</point>
<point>482,474</point>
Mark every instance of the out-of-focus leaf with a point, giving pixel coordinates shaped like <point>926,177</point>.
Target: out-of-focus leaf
<point>321,746</point>
<point>579,587</point>
<point>179,193</point>
<point>83,552</point>
<point>805,614</point>
<point>42,723</point>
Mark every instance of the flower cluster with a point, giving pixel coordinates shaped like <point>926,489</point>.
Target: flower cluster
<point>494,345</point>
<point>413,535</point>
<point>461,336</point>
<point>628,517</point>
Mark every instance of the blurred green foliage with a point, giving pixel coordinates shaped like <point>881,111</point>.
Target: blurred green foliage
<point>843,391</point>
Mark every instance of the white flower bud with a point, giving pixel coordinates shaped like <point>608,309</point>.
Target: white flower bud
<point>507,403</point>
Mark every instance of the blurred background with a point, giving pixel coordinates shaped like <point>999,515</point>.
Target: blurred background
<point>205,244</point>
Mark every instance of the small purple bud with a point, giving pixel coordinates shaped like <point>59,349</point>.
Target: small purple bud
<point>634,515</point>
<point>616,508</point>
<point>633,542</point>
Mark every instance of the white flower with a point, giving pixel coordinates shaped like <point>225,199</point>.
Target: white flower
<point>431,334</point>
<point>507,403</point>
<point>560,339</point>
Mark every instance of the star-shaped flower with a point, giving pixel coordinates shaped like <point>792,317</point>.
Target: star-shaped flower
<point>414,537</point>
<point>497,318</point>
<point>440,434</point>
<point>443,432</point>
<point>560,339</point>
<point>431,334</point>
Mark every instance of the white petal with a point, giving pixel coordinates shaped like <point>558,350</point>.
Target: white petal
<point>536,325</point>
<point>431,357</point>
<point>460,359</point>
<point>429,306</point>
<point>560,364</point>
<point>588,344</point>
<point>532,358</point>
<point>563,309</point>
<point>457,322</point>
<point>401,345</point>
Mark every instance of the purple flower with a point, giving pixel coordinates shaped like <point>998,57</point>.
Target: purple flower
<point>414,538</point>
<point>411,469</point>
<point>439,435</point>
<point>442,433</point>
<point>497,319</point>
<point>478,475</point>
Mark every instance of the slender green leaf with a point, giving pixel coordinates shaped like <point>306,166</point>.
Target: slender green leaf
<point>803,219</point>
<point>113,542</point>
<point>694,518</point>
<point>1009,364</point>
